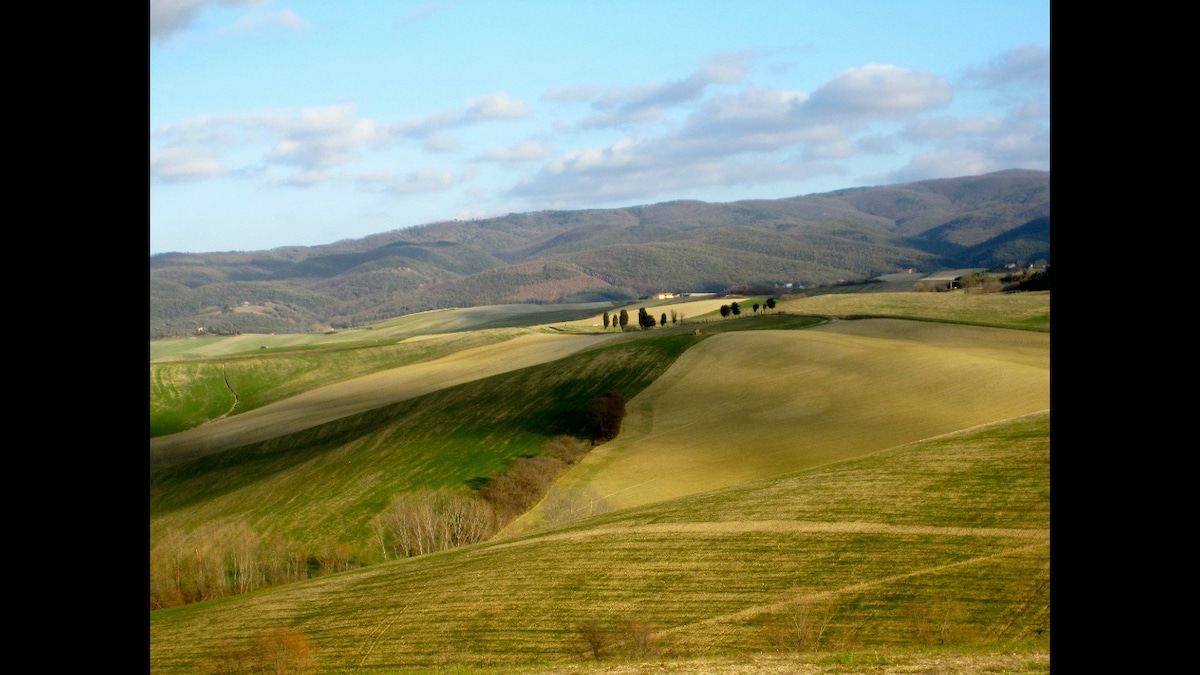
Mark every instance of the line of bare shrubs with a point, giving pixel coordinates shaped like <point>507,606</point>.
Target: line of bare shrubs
<point>215,561</point>
<point>942,622</point>
<point>278,651</point>
<point>515,491</point>
<point>219,560</point>
<point>426,521</point>
<point>631,638</point>
<point>801,626</point>
<point>811,624</point>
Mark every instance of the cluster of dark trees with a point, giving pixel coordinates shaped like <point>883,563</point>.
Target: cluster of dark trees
<point>645,319</point>
<point>736,309</point>
<point>621,320</point>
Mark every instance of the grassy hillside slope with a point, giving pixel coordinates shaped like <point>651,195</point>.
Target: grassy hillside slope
<point>199,379</point>
<point>942,541</point>
<point>747,405</point>
<point>324,404</point>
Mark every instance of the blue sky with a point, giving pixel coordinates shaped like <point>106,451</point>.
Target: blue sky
<point>279,123</point>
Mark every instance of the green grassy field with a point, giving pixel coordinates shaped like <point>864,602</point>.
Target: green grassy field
<point>185,395</point>
<point>940,542</point>
<point>197,380</point>
<point>342,397</point>
<point>181,391</point>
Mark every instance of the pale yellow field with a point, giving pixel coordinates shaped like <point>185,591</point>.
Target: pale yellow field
<point>346,398</point>
<point>1015,309</point>
<point>744,406</point>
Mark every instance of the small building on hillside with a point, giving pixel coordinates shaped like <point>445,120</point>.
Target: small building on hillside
<point>663,296</point>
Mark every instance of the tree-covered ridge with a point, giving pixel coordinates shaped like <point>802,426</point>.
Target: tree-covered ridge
<point>607,254</point>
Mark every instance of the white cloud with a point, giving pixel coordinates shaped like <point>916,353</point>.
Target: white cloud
<point>876,144</point>
<point>1024,65</point>
<point>759,134</point>
<point>179,163</point>
<point>421,180</point>
<point>949,127</point>
<point>168,17</point>
<point>879,91</point>
<point>944,164</point>
<point>442,142</point>
<point>524,151</point>
<point>312,140</point>
<point>571,94</point>
<point>643,103</point>
<point>498,106</point>
<point>616,118</point>
<point>637,168</point>
<point>751,110</point>
<point>428,124</point>
<point>319,138</point>
<point>286,19</point>
<point>424,11</point>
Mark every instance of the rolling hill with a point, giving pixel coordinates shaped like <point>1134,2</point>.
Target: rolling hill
<point>944,541</point>
<point>848,474</point>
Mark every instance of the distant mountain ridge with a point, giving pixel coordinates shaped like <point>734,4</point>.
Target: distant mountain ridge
<point>607,254</point>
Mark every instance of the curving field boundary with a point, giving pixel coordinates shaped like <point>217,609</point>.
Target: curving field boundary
<point>749,405</point>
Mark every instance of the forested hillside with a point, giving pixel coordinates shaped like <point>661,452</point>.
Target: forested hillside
<point>608,254</point>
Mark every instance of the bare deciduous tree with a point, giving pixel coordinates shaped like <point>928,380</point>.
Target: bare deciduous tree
<point>801,626</point>
<point>593,637</point>
<point>425,521</point>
